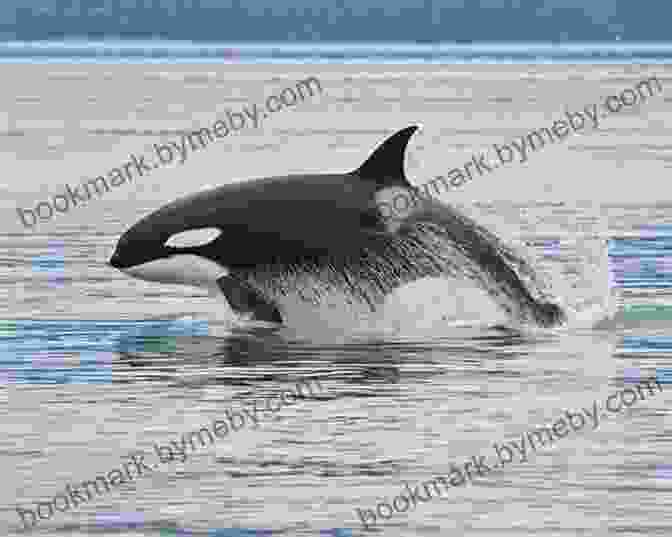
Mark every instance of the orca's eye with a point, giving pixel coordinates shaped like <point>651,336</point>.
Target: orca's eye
<point>193,237</point>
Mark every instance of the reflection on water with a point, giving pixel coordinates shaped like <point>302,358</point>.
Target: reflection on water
<point>137,521</point>
<point>37,352</point>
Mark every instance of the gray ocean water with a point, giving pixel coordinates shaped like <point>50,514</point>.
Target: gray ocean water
<point>83,391</point>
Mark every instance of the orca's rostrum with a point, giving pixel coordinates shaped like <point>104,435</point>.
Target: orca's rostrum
<point>263,240</point>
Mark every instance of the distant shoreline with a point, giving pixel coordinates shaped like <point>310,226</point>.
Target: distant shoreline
<point>167,51</point>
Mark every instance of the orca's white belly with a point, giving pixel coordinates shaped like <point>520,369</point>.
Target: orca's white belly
<point>414,308</point>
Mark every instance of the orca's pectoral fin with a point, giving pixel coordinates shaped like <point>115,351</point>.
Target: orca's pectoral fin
<point>244,299</point>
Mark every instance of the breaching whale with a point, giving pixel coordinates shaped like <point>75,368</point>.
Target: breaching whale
<point>264,239</point>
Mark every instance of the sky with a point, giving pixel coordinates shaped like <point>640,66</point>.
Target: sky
<point>337,20</point>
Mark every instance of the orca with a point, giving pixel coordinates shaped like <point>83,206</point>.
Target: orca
<point>264,239</point>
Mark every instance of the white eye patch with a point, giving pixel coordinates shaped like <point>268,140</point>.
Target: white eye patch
<point>193,237</point>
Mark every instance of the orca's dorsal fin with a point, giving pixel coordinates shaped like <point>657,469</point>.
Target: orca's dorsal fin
<point>385,166</point>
